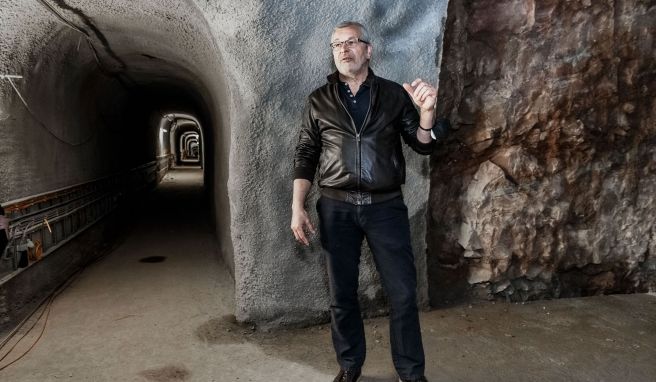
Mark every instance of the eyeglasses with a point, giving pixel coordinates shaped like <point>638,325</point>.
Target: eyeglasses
<point>350,43</point>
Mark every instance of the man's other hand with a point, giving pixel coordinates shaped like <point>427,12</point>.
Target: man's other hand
<point>423,94</point>
<point>301,225</point>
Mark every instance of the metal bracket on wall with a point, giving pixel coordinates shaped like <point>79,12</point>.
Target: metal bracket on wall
<point>54,218</point>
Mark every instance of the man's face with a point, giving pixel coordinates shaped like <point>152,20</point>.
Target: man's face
<point>350,60</point>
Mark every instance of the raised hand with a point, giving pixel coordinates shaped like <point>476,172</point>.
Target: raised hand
<point>423,94</point>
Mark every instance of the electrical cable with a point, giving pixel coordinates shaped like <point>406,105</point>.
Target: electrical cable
<point>41,219</point>
<point>86,34</point>
<point>43,125</point>
<point>20,324</point>
<point>96,57</point>
<point>46,308</point>
<point>62,18</point>
<point>50,300</point>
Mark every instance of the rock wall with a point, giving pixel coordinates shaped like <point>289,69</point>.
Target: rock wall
<point>546,188</point>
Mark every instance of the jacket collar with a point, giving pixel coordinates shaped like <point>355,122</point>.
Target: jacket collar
<point>334,77</point>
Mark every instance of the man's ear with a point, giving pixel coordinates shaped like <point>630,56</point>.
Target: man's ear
<point>369,50</point>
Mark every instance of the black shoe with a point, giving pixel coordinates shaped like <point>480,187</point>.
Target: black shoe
<point>347,376</point>
<point>420,379</point>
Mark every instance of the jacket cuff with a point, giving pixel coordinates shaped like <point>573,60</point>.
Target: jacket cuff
<point>424,148</point>
<point>304,173</point>
<point>441,128</point>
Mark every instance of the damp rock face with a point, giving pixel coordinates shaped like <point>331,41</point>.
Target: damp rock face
<point>547,187</point>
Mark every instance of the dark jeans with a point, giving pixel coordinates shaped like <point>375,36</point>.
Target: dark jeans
<point>387,229</point>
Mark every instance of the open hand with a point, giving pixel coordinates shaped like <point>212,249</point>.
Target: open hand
<point>301,225</point>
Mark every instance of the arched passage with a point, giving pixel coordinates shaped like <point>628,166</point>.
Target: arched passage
<point>96,72</point>
<point>176,130</point>
<point>96,103</point>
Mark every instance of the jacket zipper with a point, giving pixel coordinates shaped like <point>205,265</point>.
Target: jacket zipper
<point>366,119</point>
<point>355,129</point>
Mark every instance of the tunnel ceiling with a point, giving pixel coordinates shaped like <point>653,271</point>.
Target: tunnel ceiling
<point>144,40</point>
<point>93,71</point>
<point>148,46</point>
<point>152,47</point>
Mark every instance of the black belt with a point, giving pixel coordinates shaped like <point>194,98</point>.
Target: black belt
<point>359,198</point>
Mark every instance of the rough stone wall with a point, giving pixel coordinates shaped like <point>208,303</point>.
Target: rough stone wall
<point>283,55</point>
<point>50,145</point>
<point>547,187</point>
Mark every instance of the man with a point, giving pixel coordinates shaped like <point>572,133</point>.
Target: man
<point>352,129</point>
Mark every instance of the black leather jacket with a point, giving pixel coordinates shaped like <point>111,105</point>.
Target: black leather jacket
<point>370,161</point>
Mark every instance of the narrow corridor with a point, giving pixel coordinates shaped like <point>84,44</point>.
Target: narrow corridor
<point>145,311</point>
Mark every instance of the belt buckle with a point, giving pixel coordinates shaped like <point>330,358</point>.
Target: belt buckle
<point>358,198</point>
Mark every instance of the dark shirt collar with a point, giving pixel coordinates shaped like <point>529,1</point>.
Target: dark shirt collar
<point>334,78</point>
<point>365,84</point>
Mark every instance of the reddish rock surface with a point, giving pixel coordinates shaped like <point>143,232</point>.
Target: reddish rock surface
<point>546,188</point>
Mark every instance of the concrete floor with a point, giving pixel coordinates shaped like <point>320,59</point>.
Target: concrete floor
<point>127,320</point>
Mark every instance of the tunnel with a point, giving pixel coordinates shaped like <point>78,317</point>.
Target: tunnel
<point>103,103</point>
<point>192,108</point>
<point>111,102</point>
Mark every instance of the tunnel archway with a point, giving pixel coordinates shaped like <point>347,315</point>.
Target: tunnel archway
<point>87,103</point>
<point>184,125</point>
<point>175,131</point>
<point>96,72</point>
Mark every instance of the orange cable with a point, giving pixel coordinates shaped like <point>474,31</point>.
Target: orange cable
<point>48,307</point>
<point>27,332</point>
